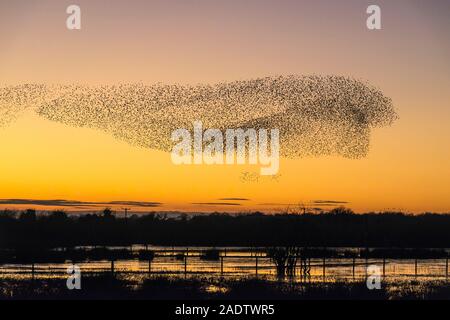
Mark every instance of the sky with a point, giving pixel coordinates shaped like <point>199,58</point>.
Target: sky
<point>203,41</point>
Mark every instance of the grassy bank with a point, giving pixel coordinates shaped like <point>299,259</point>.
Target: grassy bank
<point>106,287</point>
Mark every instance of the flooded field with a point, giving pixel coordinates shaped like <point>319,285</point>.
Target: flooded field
<point>235,263</point>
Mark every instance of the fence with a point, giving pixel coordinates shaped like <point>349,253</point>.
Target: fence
<point>252,262</point>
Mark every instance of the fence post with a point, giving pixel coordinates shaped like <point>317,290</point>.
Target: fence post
<point>323,270</point>
<point>221,265</point>
<point>353,268</point>
<point>446,268</point>
<point>366,265</point>
<point>185,266</point>
<point>149,266</point>
<point>112,267</point>
<point>256,265</point>
<point>415,267</point>
<point>32,271</point>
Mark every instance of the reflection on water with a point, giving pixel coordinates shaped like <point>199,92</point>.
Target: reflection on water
<point>236,263</point>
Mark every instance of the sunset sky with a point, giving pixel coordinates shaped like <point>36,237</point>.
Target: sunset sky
<point>204,41</point>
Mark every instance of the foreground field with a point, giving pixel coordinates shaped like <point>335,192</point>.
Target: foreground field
<point>158,288</point>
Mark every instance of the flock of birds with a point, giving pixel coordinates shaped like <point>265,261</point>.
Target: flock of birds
<point>316,115</point>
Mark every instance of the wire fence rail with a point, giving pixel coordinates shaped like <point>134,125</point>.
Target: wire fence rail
<point>242,262</point>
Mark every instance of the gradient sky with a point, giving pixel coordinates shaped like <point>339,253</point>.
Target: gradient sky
<point>207,41</point>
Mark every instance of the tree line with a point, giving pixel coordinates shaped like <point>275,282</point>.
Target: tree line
<point>337,228</point>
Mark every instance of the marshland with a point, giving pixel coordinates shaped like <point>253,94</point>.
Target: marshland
<point>298,256</point>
